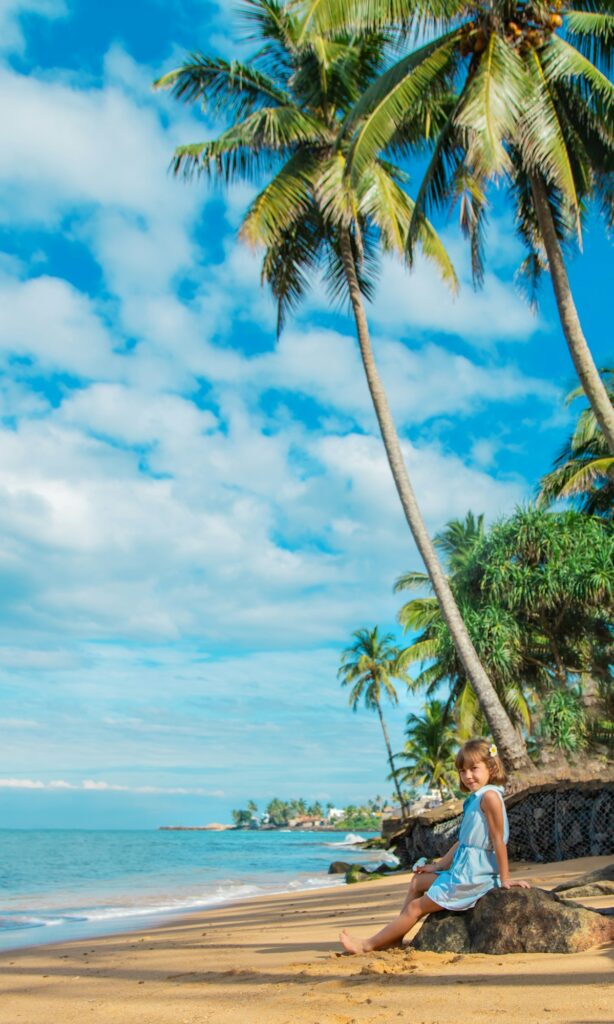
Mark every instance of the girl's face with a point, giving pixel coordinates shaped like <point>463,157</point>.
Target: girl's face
<point>474,776</point>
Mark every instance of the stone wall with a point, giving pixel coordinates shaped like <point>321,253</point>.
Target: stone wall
<point>551,819</point>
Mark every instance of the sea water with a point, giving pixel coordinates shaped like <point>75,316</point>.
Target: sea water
<point>62,884</point>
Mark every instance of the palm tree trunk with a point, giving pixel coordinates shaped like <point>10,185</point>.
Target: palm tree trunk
<point>391,760</point>
<point>593,386</point>
<point>511,746</point>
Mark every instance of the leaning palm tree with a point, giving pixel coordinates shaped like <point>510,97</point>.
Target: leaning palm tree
<point>369,666</point>
<point>428,754</point>
<point>532,105</point>
<point>584,469</point>
<point>287,108</point>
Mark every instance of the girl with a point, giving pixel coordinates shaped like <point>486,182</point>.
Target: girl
<point>470,868</point>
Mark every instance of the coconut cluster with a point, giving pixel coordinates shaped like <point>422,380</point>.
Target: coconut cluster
<point>529,29</point>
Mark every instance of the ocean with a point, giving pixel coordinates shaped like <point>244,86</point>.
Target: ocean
<point>65,884</point>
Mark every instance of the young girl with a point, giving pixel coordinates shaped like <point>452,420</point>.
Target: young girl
<point>470,868</point>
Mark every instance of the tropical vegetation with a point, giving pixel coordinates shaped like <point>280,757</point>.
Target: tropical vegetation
<point>289,108</point>
<point>537,593</point>
<point>279,813</point>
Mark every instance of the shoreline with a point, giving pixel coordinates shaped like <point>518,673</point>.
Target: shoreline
<point>275,959</point>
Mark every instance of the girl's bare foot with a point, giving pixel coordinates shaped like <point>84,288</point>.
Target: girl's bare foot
<point>350,944</point>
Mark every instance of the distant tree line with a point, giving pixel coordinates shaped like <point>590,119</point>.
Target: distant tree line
<point>280,813</point>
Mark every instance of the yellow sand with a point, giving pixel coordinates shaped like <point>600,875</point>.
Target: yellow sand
<point>274,961</point>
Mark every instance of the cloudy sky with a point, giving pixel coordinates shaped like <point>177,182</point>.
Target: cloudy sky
<point>194,516</point>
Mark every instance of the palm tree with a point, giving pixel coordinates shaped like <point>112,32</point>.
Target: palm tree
<point>369,665</point>
<point>584,469</point>
<point>287,106</point>
<point>532,105</point>
<point>429,750</point>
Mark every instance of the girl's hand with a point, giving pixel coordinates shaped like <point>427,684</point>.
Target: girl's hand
<point>425,868</point>
<point>518,882</point>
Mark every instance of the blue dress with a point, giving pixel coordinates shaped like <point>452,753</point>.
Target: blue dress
<point>474,870</point>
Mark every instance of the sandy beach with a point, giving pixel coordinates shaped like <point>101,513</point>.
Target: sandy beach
<point>275,960</point>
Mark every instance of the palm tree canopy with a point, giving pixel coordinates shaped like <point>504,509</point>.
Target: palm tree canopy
<point>369,665</point>
<point>584,470</point>
<point>531,96</point>
<point>428,754</point>
<point>287,106</point>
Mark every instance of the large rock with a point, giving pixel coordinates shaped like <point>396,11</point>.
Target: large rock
<point>593,883</point>
<point>515,921</point>
<point>339,867</point>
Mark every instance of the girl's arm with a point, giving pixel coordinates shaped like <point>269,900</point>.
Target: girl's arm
<point>441,863</point>
<point>492,805</point>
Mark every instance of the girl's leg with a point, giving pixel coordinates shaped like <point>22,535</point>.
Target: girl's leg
<point>419,884</point>
<point>393,932</point>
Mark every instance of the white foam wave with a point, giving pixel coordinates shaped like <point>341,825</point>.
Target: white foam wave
<point>220,895</point>
<point>351,839</point>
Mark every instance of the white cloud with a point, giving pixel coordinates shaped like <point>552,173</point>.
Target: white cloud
<point>180,560</point>
<point>411,303</point>
<point>12,38</point>
<point>92,785</point>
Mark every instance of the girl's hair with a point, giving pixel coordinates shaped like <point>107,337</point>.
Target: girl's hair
<point>479,750</point>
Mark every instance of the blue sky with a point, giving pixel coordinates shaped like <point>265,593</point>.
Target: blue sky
<point>194,516</point>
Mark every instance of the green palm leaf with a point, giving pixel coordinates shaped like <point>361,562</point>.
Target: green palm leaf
<point>283,202</point>
<point>253,145</point>
<point>562,61</point>
<point>592,32</point>
<point>541,138</point>
<point>491,104</point>
<point>383,108</point>
<point>222,86</point>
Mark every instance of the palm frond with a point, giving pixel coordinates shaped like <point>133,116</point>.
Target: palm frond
<point>289,263</point>
<point>562,61</point>
<point>228,87</point>
<point>419,613</point>
<point>540,136</point>
<point>283,202</point>
<point>492,102</point>
<point>412,581</point>
<point>470,197</point>
<point>592,32</point>
<point>382,110</point>
<point>251,146</point>
<point>331,16</point>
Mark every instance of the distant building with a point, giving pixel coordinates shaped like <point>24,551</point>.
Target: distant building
<point>306,821</point>
<point>335,813</point>
<point>432,798</point>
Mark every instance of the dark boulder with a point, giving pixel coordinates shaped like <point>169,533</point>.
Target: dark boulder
<point>515,921</point>
<point>339,867</point>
